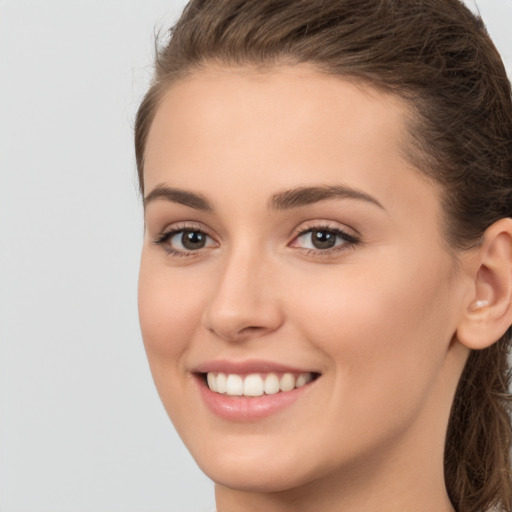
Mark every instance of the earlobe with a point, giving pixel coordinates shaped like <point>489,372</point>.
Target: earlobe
<point>489,313</point>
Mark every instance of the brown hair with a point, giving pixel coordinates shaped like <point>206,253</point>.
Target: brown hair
<point>437,56</point>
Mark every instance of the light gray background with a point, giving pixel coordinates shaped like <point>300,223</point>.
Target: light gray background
<point>81,426</point>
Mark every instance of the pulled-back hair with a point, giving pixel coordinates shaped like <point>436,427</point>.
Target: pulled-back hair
<point>438,57</point>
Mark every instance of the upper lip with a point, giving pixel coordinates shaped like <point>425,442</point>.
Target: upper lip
<point>246,367</point>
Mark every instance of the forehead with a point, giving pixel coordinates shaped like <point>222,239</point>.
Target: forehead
<point>278,96</point>
<point>273,126</point>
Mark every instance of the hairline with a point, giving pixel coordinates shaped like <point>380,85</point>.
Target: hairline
<point>411,148</point>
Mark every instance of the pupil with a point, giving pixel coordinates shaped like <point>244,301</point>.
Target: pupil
<point>193,240</point>
<point>323,239</point>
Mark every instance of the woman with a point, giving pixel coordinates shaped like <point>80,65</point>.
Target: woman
<point>326,279</point>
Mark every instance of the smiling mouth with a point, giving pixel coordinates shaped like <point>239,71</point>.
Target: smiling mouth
<point>256,384</point>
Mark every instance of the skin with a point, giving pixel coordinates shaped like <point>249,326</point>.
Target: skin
<point>376,319</point>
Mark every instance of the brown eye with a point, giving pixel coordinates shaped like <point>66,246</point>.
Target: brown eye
<point>323,239</point>
<point>185,242</point>
<point>193,240</point>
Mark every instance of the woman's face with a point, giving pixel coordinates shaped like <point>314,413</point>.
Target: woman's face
<point>290,246</point>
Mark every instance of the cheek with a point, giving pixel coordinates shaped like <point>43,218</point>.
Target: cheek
<point>386,334</point>
<point>169,313</point>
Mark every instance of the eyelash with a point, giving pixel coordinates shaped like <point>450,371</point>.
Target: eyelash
<point>349,241</point>
<point>163,238</point>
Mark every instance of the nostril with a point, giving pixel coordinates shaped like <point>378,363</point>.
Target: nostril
<point>252,328</point>
<point>252,331</point>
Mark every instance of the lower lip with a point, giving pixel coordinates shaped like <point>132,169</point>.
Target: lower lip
<point>244,409</point>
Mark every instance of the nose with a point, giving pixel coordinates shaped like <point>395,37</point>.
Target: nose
<point>243,304</point>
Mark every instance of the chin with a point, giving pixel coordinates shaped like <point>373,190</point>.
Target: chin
<point>250,463</point>
<point>260,477</point>
<point>262,463</point>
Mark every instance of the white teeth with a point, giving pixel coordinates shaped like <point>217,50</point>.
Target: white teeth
<point>302,380</point>
<point>212,381</point>
<point>221,383</point>
<point>287,382</point>
<point>271,384</point>
<point>234,385</point>
<point>255,384</point>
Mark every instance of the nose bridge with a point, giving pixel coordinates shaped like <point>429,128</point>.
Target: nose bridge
<point>242,303</point>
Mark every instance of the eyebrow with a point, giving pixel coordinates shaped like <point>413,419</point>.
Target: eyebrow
<point>175,195</point>
<point>304,196</point>
<point>288,199</point>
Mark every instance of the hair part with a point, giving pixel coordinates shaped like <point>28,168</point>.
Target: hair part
<point>437,56</point>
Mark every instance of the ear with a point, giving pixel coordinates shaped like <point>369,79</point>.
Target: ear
<point>488,313</point>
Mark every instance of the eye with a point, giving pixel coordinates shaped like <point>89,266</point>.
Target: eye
<point>185,242</point>
<point>324,239</point>
<point>189,240</point>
